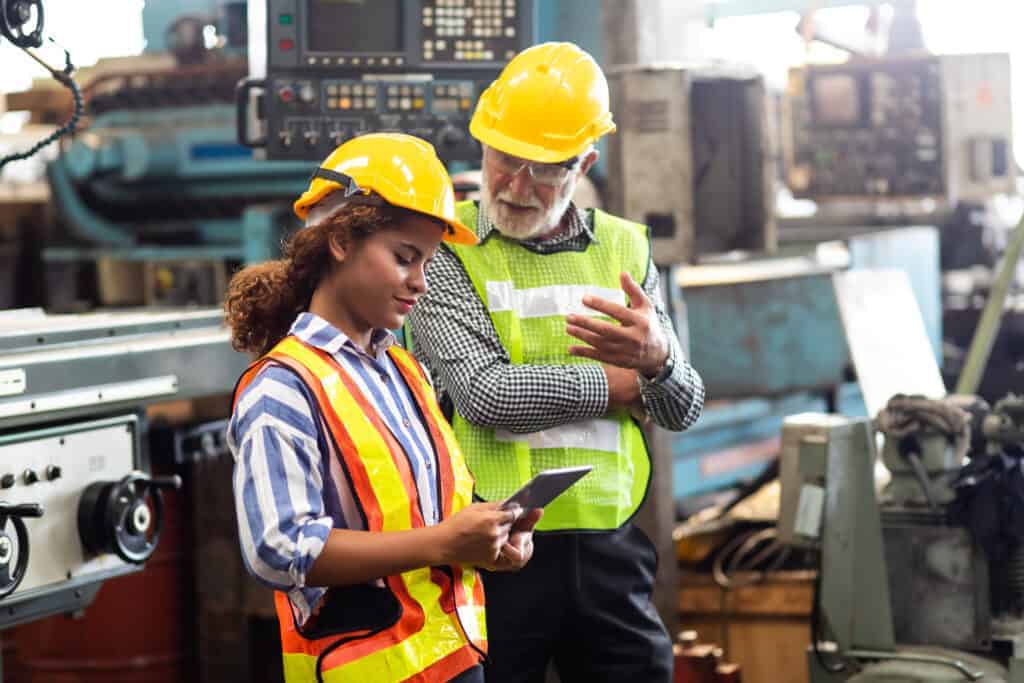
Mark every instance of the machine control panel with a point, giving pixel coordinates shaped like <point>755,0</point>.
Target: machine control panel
<point>47,476</point>
<point>935,127</point>
<point>396,35</point>
<point>875,132</point>
<point>318,114</point>
<point>336,70</point>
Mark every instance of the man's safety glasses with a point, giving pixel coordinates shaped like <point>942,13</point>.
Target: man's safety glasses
<point>545,174</point>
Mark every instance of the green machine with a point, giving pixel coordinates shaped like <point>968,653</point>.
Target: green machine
<point>911,587</point>
<point>157,177</point>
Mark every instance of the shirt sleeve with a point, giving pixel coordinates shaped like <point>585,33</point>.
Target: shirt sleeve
<point>278,484</point>
<point>675,399</point>
<point>456,340</point>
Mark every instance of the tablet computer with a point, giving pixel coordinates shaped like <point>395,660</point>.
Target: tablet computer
<point>545,487</point>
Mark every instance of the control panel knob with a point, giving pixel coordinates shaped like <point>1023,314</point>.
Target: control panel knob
<point>449,136</point>
<point>286,94</point>
<point>286,138</point>
<point>14,552</point>
<point>29,477</point>
<point>311,137</point>
<point>307,94</point>
<point>7,481</point>
<point>124,517</point>
<point>337,136</point>
<point>53,472</point>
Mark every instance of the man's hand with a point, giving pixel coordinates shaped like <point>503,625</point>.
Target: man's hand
<point>638,342</point>
<point>519,548</point>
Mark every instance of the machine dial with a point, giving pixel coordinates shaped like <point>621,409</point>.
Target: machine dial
<point>124,517</point>
<point>14,551</point>
<point>21,22</point>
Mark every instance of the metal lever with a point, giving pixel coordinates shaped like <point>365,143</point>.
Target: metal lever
<point>172,481</point>
<point>20,510</point>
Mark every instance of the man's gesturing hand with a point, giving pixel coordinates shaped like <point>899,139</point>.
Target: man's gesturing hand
<point>637,342</point>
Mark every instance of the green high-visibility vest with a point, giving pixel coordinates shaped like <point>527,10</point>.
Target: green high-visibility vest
<point>528,296</point>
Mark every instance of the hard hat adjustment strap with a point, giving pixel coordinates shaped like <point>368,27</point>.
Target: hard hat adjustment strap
<point>350,186</point>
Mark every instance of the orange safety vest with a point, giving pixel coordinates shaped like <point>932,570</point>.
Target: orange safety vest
<point>434,626</point>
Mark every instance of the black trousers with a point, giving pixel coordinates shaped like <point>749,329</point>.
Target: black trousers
<point>583,601</point>
<point>474,675</point>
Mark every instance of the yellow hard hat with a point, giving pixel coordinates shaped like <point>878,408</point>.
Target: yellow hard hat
<point>402,169</point>
<point>549,104</point>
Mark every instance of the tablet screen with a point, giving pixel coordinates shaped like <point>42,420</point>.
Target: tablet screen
<point>545,487</point>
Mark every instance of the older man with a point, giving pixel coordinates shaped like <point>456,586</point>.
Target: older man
<point>550,342</point>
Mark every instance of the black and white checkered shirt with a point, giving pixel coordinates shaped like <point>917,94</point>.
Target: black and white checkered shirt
<point>456,340</point>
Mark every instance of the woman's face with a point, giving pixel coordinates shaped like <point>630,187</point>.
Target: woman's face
<point>380,277</point>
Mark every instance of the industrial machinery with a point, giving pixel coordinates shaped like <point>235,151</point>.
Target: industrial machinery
<point>155,195</point>
<point>902,127</point>
<point>22,23</point>
<point>323,72</point>
<point>704,130</point>
<point>924,583</point>
<point>77,502</point>
<point>159,167</point>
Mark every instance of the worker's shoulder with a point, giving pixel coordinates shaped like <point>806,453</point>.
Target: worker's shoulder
<point>603,219</point>
<point>276,390</point>
<point>620,233</point>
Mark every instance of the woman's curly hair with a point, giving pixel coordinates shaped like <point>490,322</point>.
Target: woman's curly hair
<point>263,300</point>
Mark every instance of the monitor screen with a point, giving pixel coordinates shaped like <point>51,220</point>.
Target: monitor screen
<point>355,26</point>
<point>836,100</point>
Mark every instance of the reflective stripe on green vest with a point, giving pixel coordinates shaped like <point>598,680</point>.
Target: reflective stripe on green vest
<point>528,296</point>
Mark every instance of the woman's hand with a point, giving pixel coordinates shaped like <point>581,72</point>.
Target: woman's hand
<point>519,548</point>
<point>476,534</point>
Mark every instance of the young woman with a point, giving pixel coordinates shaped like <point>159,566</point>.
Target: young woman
<point>353,499</point>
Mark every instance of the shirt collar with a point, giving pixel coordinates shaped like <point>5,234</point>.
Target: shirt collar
<point>579,223</point>
<point>317,332</point>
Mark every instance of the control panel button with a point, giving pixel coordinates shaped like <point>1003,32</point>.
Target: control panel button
<point>286,94</point>
<point>286,44</point>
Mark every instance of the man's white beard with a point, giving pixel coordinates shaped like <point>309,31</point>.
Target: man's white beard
<point>522,227</point>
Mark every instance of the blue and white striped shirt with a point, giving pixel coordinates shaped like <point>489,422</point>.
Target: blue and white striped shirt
<point>289,489</point>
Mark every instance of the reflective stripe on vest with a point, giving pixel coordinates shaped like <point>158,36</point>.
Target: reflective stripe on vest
<point>528,296</point>
<point>442,628</point>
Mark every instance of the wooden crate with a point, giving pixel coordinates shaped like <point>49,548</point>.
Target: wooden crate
<point>763,627</point>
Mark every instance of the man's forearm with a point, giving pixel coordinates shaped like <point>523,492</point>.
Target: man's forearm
<point>523,398</point>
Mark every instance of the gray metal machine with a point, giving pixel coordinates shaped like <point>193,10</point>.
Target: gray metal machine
<point>322,71</point>
<point>691,158</point>
<point>78,504</point>
<point>900,127</point>
<point>906,591</point>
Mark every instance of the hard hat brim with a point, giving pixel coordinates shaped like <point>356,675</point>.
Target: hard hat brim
<point>458,233</point>
<point>455,231</point>
<point>509,145</point>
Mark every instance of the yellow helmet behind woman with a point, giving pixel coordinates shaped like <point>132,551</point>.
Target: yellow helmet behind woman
<point>402,169</point>
<point>549,104</point>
